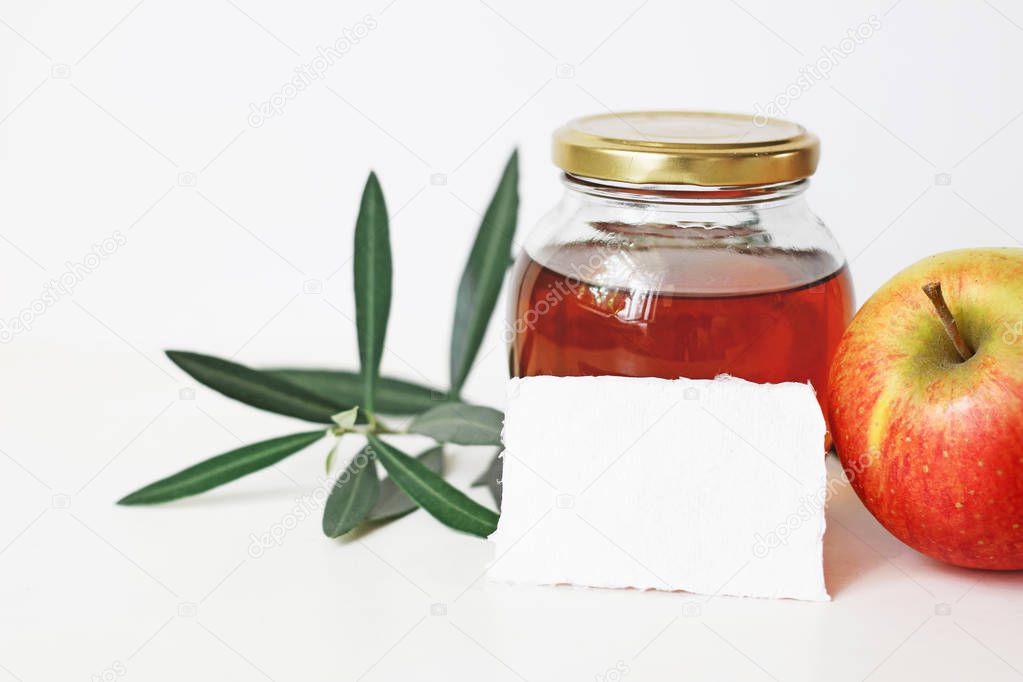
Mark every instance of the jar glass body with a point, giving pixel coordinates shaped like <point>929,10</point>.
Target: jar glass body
<point>680,281</point>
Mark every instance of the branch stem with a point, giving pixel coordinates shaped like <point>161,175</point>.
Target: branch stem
<point>933,291</point>
<point>378,428</point>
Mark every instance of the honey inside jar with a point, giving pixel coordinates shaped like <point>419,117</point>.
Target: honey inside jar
<point>634,276</point>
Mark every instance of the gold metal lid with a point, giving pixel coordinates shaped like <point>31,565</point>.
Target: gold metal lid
<point>686,148</point>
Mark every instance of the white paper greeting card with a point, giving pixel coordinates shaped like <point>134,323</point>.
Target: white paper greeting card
<point>709,486</point>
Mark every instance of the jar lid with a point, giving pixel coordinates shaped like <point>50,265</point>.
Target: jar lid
<point>686,148</point>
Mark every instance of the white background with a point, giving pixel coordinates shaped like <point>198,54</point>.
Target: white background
<point>133,117</point>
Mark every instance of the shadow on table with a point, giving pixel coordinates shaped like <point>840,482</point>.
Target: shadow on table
<point>221,497</point>
<point>856,545</point>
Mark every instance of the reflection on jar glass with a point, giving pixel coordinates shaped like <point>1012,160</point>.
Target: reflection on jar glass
<point>683,246</point>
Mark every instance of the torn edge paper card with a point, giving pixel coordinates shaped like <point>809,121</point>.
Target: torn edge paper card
<point>708,486</point>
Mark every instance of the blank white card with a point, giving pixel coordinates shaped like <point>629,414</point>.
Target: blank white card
<point>712,487</point>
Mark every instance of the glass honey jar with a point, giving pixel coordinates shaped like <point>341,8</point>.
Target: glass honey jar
<point>683,246</point>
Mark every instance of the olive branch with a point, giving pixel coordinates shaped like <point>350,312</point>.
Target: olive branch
<point>345,402</point>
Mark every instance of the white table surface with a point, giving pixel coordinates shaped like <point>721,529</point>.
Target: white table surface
<point>132,118</point>
<point>90,590</point>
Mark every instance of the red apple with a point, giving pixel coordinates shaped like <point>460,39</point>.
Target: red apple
<point>931,437</point>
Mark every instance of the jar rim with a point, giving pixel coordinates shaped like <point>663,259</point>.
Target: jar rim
<point>670,193</point>
<point>686,148</point>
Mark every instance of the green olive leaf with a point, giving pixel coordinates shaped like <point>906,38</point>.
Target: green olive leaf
<point>460,424</point>
<point>346,420</point>
<point>484,274</point>
<point>329,463</point>
<point>353,494</point>
<point>393,396</point>
<point>372,286</point>
<point>222,469</point>
<point>491,477</point>
<point>394,503</point>
<point>439,498</point>
<point>255,388</point>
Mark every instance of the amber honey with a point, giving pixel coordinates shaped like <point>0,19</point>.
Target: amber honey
<point>766,315</point>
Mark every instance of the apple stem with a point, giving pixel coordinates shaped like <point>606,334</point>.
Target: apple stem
<point>933,291</point>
